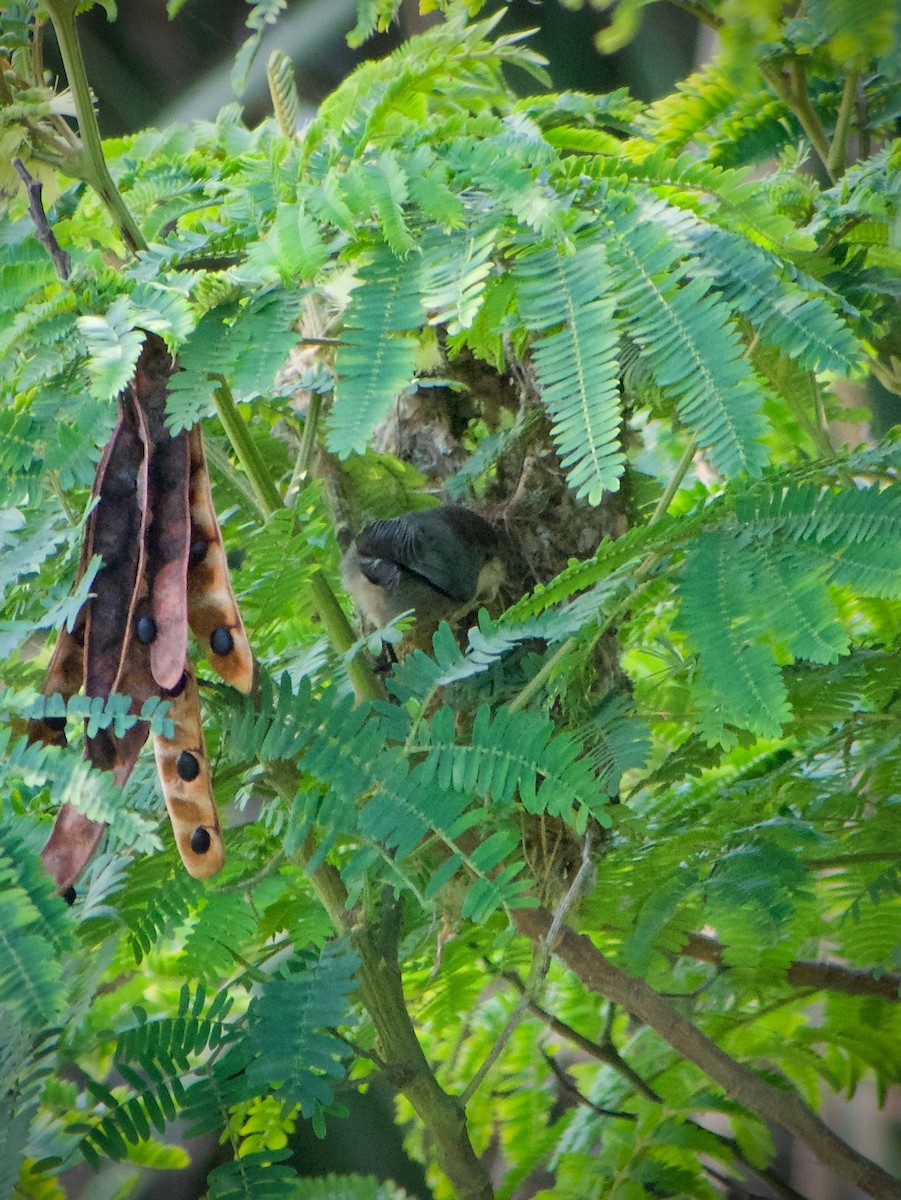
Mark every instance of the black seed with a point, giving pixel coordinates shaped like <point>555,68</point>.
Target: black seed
<point>179,687</point>
<point>146,630</point>
<point>55,724</point>
<point>197,552</point>
<point>69,895</point>
<point>200,840</point>
<point>187,766</point>
<point>221,641</point>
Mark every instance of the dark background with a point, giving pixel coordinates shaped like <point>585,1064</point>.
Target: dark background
<point>148,70</point>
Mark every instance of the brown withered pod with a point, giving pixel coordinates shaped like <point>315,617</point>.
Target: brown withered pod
<point>163,569</point>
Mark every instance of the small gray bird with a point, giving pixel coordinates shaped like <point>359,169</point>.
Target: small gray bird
<point>437,561</point>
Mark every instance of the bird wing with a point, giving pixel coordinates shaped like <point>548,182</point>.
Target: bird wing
<point>426,546</point>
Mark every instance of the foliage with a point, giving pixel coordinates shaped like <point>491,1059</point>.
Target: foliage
<point>677,294</point>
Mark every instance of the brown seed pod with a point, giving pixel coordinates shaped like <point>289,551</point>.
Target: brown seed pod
<point>212,610</point>
<point>168,532</point>
<point>155,528</point>
<point>73,839</point>
<point>184,774</point>
<point>119,519</point>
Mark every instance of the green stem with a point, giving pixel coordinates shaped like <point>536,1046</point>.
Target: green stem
<point>366,685</point>
<point>793,93</point>
<point>537,682</point>
<point>304,461</point>
<point>682,468</point>
<point>91,163</point>
<point>266,493</point>
<point>217,456</point>
<point>836,163</point>
<point>701,14</point>
<point>268,500</point>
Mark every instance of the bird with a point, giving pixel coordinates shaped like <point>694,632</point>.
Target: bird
<point>439,562</point>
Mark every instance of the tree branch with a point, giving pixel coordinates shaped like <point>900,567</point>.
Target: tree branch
<point>846,111</point>
<point>804,973</point>
<point>406,1067</point>
<point>569,1086</point>
<point>739,1082</point>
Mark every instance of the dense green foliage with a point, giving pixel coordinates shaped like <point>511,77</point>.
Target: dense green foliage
<point>678,288</point>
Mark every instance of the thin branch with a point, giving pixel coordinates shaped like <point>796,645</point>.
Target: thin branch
<point>569,1086</point>
<point>861,856</point>
<point>864,148</point>
<point>536,975</point>
<point>607,1053</point>
<point>604,1051</point>
<point>701,14</point>
<point>675,483</point>
<point>45,235</point>
<point>740,1082</point>
<point>540,678</point>
<point>782,1189</point>
<point>250,881</point>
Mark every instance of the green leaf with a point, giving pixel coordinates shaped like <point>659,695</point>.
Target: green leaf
<point>375,362</point>
<point>738,668</point>
<point>576,366</point>
<point>289,1029</point>
<point>685,336</point>
<point>113,345</point>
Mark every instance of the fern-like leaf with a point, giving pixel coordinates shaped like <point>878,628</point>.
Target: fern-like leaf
<point>289,1024</point>
<point>738,668</point>
<point>113,345</point>
<point>293,246</point>
<point>283,91</point>
<point>576,366</point>
<point>375,361</point>
<point>803,326</point>
<point>685,335</point>
<point>516,753</point>
<point>31,988</point>
<point>455,268</point>
<point>262,1175</point>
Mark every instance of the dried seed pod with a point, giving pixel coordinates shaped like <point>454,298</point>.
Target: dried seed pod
<point>169,532</point>
<point>136,681</point>
<point>155,528</point>
<point>212,610</point>
<point>119,522</point>
<point>73,839</point>
<point>184,775</point>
